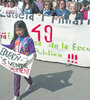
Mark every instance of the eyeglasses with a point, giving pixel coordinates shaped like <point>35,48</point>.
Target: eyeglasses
<point>47,4</point>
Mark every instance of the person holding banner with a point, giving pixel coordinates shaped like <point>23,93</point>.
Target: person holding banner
<point>12,8</point>
<point>21,43</point>
<point>61,11</point>
<point>79,7</point>
<point>4,9</point>
<point>29,7</point>
<point>47,10</point>
<point>73,12</point>
<point>1,6</point>
<point>85,11</point>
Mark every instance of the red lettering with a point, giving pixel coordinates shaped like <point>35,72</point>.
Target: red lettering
<point>3,35</point>
<point>12,68</point>
<point>21,70</point>
<point>45,29</point>
<point>37,31</point>
<point>15,69</point>
<point>3,63</point>
<point>26,71</point>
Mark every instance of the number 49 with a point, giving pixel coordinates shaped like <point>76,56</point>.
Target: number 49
<point>47,29</point>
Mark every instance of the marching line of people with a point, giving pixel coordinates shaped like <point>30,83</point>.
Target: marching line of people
<point>66,9</point>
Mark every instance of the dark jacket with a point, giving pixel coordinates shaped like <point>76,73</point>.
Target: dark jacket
<point>78,16</point>
<point>33,9</point>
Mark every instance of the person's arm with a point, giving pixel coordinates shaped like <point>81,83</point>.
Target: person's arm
<point>31,47</point>
<point>11,46</point>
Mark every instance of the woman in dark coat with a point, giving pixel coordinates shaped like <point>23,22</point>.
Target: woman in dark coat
<point>29,7</point>
<point>73,12</point>
<point>47,10</point>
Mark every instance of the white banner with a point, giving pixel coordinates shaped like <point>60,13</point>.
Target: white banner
<point>55,40</point>
<point>16,62</point>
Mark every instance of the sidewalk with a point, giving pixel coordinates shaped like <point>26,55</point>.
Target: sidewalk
<point>53,81</point>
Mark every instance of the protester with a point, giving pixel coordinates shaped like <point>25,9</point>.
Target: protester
<point>61,11</point>
<point>11,8</point>
<point>73,12</point>
<point>67,4</point>
<point>55,4</point>
<point>21,43</point>
<point>39,4</point>
<point>79,7</point>
<point>47,10</point>
<point>29,7</point>
<point>1,6</point>
<point>85,11</point>
<point>89,11</point>
<point>4,9</point>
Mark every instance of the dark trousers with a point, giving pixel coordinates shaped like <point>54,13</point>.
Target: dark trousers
<point>17,79</point>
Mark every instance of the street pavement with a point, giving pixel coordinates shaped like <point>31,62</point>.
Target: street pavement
<point>53,81</point>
